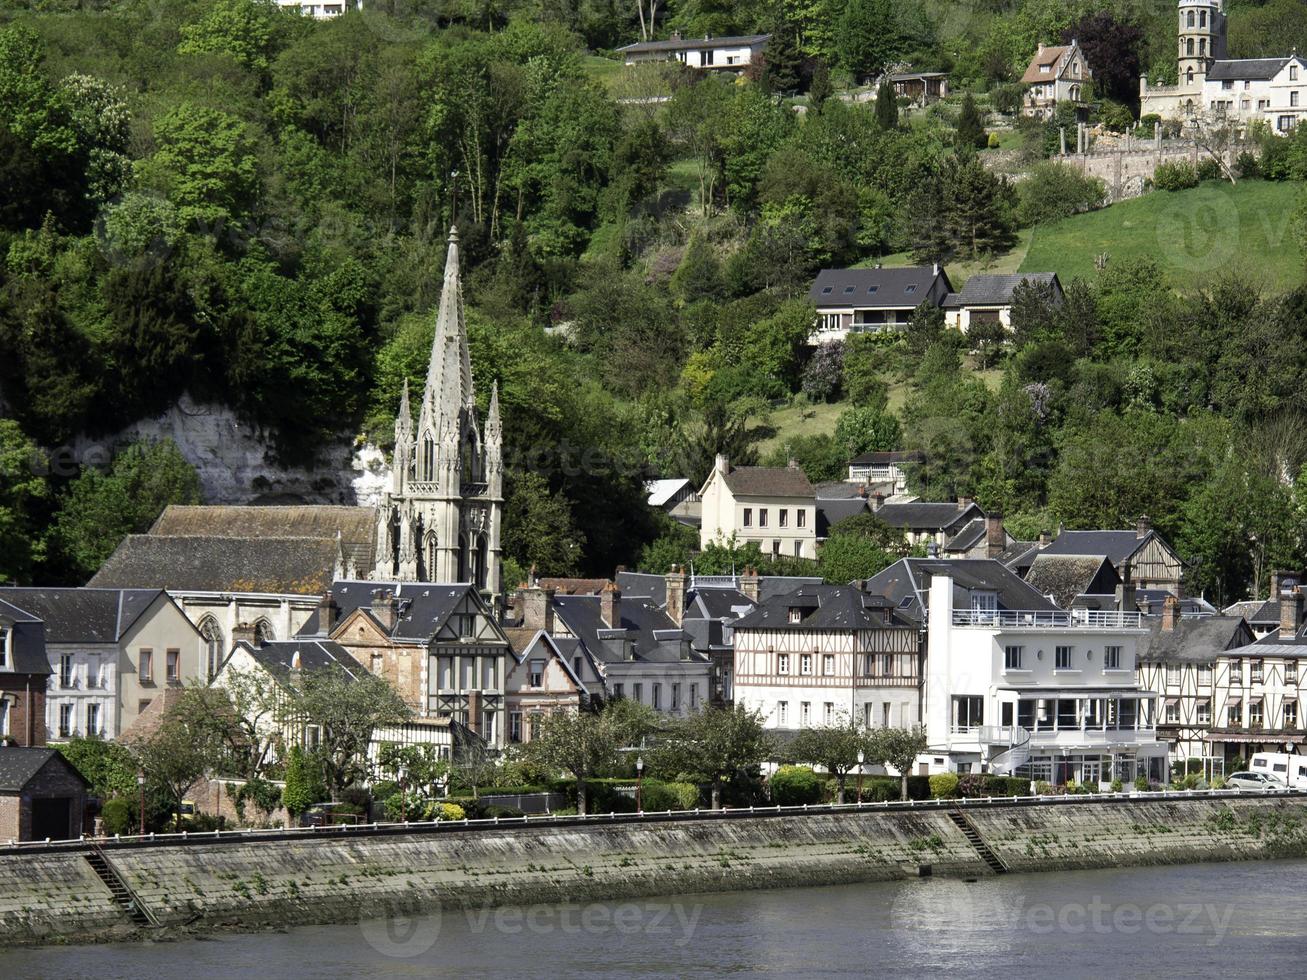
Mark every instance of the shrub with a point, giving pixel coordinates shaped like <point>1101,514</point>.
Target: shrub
<point>1057,190</point>
<point>1175,176</point>
<point>1249,165</point>
<point>446,811</point>
<point>1006,98</point>
<point>1209,169</point>
<point>1141,784</point>
<point>1116,786</point>
<point>943,786</point>
<point>824,372</point>
<point>793,785</point>
<point>657,795</point>
<point>993,141</point>
<point>495,810</point>
<point>1116,117</point>
<point>117,816</point>
<point>975,785</point>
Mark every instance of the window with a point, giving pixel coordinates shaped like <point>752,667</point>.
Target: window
<point>748,517</point>
<point>1012,658</point>
<point>1234,715</point>
<point>828,712</point>
<point>1293,73</point>
<point>142,704</point>
<point>1204,712</point>
<point>1111,658</point>
<point>762,516</point>
<point>1202,18</point>
<point>783,517</point>
<point>1205,674</point>
<point>805,713</point>
<point>1172,674</point>
<point>1290,714</point>
<point>4,717</point>
<point>92,719</point>
<point>694,696</point>
<point>796,614</point>
<point>1172,711</point>
<point>1255,669</point>
<point>637,692</point>
<point>800,518</point>
<point>1255,714</point>
<point>537,673</point>
<point>798,549</point>
<point>968,712</point>
<point>515,726</point>
<point>676,697</point>
<point>1227,85</point>
<point>884,714</point>
<point>6,643</point>
<point>1284,123</point>
<point>65,720</point>
<point>66,670</point>
<point>1291,672</point>
<point>1063,659</point>
<point>1191,18</point>
<point>782,712</point>
<point>658,697</point>
<point>618,690</point>
<point>886,664</point>
<point>782,663</point>
<point>805,663</point>
<point>174,666</point>
<point>490,672</point>
<point>828,664</point>
<point>1236,671</point>
<point>1293,98</point>
<point>145,667</point>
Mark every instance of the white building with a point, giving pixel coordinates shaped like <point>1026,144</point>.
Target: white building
<point>1057,73</point>
<point>324,10</point>
<point>774,506</point>
<point>988,299</point>
<point>711,53</point>
<point>823,654</point>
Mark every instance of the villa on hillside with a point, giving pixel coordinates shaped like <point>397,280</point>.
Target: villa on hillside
<point>1057,73</point>
<point>988,299</point>
<point>872,300</point>
<point>712,53</point>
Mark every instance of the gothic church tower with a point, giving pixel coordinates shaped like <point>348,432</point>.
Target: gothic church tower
<point>441,520</point>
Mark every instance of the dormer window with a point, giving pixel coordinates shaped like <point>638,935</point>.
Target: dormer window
<point>848,290</point>
<point>872,289</point>
<point>826,290</point>
<point>796,615</point>
<point>910,289</point>
<point>984,601</point>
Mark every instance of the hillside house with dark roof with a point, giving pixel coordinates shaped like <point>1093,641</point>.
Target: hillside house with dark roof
<point>110,652</point>
<point>988,298</point>
<point>734,53</point>
<point>922,522</point>
<point>872,300</point>
<point>774,506</point>
<point>1140,556</point>
<point>24,672</point>
<point>42,795</point>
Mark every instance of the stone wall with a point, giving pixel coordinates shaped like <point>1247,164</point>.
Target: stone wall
<point>252,884</point>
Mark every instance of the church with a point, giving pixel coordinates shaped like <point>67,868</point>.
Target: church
<point>1211,85</point>
<point>440,520</point>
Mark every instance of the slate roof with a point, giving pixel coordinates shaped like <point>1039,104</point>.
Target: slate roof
<point>697,43</point>
<point>278,657</point>
<point>1065,577</point>
<point>728,604</point>
<point>768,481</point>
<point>82,615</point>
<point>920,515</point>
<point>19,765</point>
<point>904,584</point>
<point>830,607</point>
<point>27,651</point>
<point>355,526</point>
<point>643,584</point>
<point>831,512</point>
<point>1117,546</point>
<point>641,619</point>
<point>896,288</point>
<point>996,290</point>
<point>1154,599</point>
<point>298,566</point>
<point>573,586</point>
<point>1196,639</point>
<point>968,537</point>
<point>1253,69</point>
<point>774,585</point>
<point>424,607</point>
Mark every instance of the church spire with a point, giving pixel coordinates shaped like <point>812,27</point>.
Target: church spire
<point>449,375</point>
<point>404,420</point>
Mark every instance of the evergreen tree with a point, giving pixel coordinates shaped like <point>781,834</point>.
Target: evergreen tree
<point>820,88</point>
<point>971,130</point>
<point>887,106</point>
<point>783,69</point>
<point>869,37</point>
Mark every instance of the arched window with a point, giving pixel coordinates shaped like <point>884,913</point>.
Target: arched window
<point>394,541</point>
<point>432,574</point>
<point>428,458</point>
<point>1202,46</point>
<point>1191,18</point>
<point>212,633</point>
<point>263,632</point>
<point>1202,18</point>
<point>483,562</point>
<point>464,560</point>
<point>1189,77</point>
<point>1189,46</point>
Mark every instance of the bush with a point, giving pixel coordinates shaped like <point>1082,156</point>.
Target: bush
<point>495,810</point>
<point>1175,176</point>
<point>1141,784</point>
<point>993,141</point>
<point>1249,165</point>
<point>117,816</point>
<point>1007,98</point>
<point>1117,786</point>
<point>657,795</point>
<point>824,372</point>
<point>978,785</point>
<point>446,811</point>
<point>943,786</point>
<point>1057,190</point>
<point>1209,169</point>
<point>795,785</point>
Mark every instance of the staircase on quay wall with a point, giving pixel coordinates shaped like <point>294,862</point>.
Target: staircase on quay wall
<point>122,895</point>
<point>973,836</point>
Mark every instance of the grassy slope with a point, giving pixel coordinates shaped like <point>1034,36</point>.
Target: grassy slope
<point>1194,235</point>
<point>959,272</point>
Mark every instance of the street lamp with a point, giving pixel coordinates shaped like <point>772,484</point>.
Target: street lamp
<point>140,786</point>
<point>639,784</point>
<point>862,757</point>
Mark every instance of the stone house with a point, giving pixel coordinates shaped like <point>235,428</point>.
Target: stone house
<point>542,680</point>
<point>42,796</point>
<point>1057,73</point>
<point>24,674</point>
<point>774,506</point>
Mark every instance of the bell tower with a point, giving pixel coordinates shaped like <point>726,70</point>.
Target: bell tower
<point>1202,39</point>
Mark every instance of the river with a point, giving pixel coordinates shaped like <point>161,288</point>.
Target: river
<point>1178,921</point>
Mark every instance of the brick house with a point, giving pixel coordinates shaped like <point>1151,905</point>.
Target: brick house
<point>24,673</point>
<point>41,795</point>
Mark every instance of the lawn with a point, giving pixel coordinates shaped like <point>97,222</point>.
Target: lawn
<point>1245,230</point>
<point>960,271</point>
<point>605,71</point>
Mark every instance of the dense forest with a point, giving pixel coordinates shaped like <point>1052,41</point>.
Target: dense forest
<point>230,200</point>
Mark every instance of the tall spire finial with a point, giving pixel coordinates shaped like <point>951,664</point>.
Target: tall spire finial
<point>453,234</point>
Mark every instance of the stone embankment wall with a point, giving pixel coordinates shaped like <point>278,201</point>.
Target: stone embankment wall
<point>47,897</point>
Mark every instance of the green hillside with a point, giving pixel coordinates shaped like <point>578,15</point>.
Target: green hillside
<point>1214,228</point>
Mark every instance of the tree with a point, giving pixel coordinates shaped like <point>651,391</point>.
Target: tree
<point>820,88</point>
<point>539,529</point>
<point>867,430</point>
<point>109,767</point>
<point>836,748</point>
<point>864,358</point>
<point>1111,47</point>
<point>848,558</point>
<point>235,717</point>
<point>1054,191</point>
<point>987,338</point>
<point>824,372</point>
<point>101,508</point>
<point>243,29</point>
<point>961,209</point>
<point>887,105</point>
<point>581,744</point>
<point>22,490</point>
<point>175,756</point>
<point>899,748</point>
<point>304,785</point>
<point>699,275</point>
<point>868,37</point>
<point>347,710</point>
<point>718,743</point>
<point>971,128</point>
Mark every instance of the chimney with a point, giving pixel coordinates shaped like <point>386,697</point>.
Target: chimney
<point>1125,592</point>
<point>537,606</point>
<point>676,594</point>
<point>749,583</point>
<point>721,464</point>
<point>877,501</point>
<point>385,608</point>
<point>327,610</point>
<point>1045,539</point>
<point>244,633</point>
<point>995,536</point>
<point>474,711</point>
<point>934,268</point>
<point>1143,526</point>
<point>793,464</point>
<point>1283,582</point>
<point>610,606</point>
<point>1290,614</point>
<point>1170,614</point>
<point>676,35</point>
<point>964,503</point>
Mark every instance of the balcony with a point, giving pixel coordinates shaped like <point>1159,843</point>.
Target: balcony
<point>1072,619</point>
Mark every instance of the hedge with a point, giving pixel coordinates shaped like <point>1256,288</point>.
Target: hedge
<point>796,785</point>
<point>943,786</point>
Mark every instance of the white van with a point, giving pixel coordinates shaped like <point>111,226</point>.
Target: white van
<point>1290,768</point>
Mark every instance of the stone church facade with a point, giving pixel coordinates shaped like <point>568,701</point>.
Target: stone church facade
<point>441,520</point>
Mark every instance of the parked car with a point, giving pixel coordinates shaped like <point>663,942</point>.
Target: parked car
<point>1254,780</point>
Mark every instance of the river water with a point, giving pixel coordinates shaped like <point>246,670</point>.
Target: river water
<point>1193,920</point>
